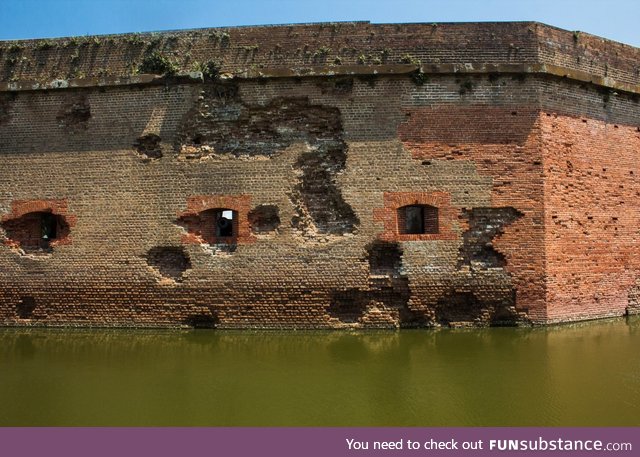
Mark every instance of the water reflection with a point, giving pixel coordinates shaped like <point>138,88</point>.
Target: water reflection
<point>584,374</point>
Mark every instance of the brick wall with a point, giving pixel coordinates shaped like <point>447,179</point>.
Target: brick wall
<point>533,178</point>
<point>592,219</point>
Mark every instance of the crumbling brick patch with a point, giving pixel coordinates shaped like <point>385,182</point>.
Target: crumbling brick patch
<point>349,306</point>
<point>75,114</point>
<point>264,219</point>
<point>388,283</point>
<point>25,307</point>
<point>200,219</point>
<point>148,146</point>
<point>6,107</point>
<point>385,258</point>
<point>317,199</point>
<point>336,86</point>
<point>37,226</point>
<point>458,307</point>
<point>384,303</point>
<point>204,319</point>
<point>477,250</point>
<point>633,306</point>
<point>221,123</point>
<point>469,305</point>
<point>393,201</point>
<point>170,261</point>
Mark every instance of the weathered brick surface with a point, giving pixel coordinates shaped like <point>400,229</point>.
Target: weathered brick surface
<point>533,178</point>
<point>592,218</point>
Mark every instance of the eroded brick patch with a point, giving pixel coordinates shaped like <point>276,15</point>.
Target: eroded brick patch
<point>384,302</point>
<point>222,123</point>
<point>484,225</point>
<point>264,219</point>
<point>170,261</point>
<point>75,114</point>
<point>148,146</point>
<point>6,103</point>
<point>316,196</point>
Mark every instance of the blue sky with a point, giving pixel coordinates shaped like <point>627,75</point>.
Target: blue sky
<point>614,19</point>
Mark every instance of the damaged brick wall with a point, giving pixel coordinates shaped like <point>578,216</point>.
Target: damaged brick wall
<point>222,124</point>
<point>502,142</point>
<point>37,226</point>
<point>535,217</point>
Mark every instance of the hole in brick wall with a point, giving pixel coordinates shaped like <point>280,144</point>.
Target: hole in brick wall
<point>201,320</point>
<point>170,261</point>
<point>484,225</point>
<point>337,86</point>
<point>348,306</point>
<point>264,218</point>
<point>385,258</point>
<point>37,232</point>
<point>505,316</point>
<point>148,146</point>
<point>75,114</point>
<point>458,307</point>
<point>25,307</point>
<point>417,219</point>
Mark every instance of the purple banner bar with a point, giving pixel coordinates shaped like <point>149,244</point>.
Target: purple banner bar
<point>316,442</point>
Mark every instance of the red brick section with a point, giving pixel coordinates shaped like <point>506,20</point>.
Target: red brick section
<point>201,229</point>
<point>592,218</point>
<point>21,208</point>
<point>503,142</point>
<point>394,200</point>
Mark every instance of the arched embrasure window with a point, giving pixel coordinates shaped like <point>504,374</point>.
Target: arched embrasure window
<point>417,220</point>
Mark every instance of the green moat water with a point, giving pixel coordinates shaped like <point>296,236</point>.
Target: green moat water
<point>578,375</point>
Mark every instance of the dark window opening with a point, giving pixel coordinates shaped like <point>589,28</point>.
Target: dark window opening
<point>417,220</point>
<point>224,220</point>
<point>49,226</point>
